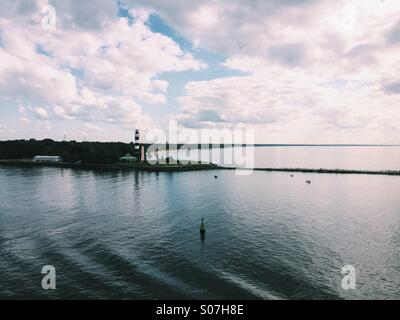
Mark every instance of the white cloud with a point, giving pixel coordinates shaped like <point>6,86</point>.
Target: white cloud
<point>33,78</point>
<point>122,110</point>
<point>303,107</point>
<point>230,26</point>
<point>93,67</point>
<point>24,120</point>
<point>313,68</point>
<point>121,58</point>
<point>160,85</point>
<point>90,127</point>
<point>41,113</point>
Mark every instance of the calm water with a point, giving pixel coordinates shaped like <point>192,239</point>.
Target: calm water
<point>135,234</point>
<point>345,157</point>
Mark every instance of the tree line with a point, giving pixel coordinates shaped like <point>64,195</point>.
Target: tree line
<point>70,151</point>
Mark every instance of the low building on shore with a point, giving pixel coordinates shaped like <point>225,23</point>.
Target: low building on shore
<point>128,158</point>
<point>47,159</point>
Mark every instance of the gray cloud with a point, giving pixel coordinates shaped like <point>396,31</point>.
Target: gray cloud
<point>13,8</point>
<point>364,54</point>
<point>85,14</point>
<point>192,124</point>
<point>291,55</point>
<point>71,14</point>
<point>26,6</point>
<point>201,119</point>
<point>209,115</point>
<point>393,36</point>
<point>392,87</point>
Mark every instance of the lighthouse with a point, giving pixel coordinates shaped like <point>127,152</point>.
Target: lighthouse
<point>136,150</point>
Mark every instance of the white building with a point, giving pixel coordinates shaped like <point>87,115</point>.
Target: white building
<point>47,159</point>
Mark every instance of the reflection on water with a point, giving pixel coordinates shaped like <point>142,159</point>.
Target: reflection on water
<point>136,234</point>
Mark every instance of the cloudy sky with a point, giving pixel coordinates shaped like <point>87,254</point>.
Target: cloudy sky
<point>295,71</point>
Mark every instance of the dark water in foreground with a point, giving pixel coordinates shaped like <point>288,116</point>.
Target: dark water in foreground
<point>135,235</point>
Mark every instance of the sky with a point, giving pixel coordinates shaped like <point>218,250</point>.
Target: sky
<point>294,71</point>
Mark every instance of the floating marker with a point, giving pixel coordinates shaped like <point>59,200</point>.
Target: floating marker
<point>202,229</point>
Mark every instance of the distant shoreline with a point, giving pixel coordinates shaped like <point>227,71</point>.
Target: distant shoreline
<point>185,167</point>
<point>326,171</point>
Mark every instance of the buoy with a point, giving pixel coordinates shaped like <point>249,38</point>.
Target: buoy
<point>216,177</point>
<point>202,229</point>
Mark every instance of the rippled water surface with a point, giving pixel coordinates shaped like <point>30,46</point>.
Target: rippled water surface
<point>135,234</point>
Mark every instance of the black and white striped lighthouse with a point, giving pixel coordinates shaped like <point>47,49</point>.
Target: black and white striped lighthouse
<point>137,147</point>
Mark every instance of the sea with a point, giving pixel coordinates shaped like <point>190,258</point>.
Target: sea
<point>269,235</point>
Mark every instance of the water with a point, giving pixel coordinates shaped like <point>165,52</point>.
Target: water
<point>134,235</point>
<point>328,157</point>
